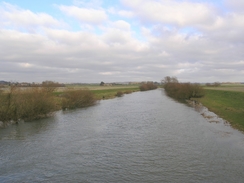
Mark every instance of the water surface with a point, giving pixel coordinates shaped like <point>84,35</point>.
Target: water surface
<point>141,137</point>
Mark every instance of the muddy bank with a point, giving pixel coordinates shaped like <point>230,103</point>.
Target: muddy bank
<point>208,115</point>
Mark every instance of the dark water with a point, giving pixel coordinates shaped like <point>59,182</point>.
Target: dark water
<point>141,137</point>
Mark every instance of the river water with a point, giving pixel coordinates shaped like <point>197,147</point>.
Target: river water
<point>141,137</point>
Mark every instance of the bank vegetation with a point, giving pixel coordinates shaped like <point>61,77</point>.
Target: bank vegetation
<point>72,99</point>
<point>27,104</point>
<point>148,86</point>
<point>228,105</point>
<point>32,103</point>
<point>182,91</point>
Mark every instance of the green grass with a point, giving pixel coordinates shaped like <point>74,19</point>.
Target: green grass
<point>107,92</point>
<point>98,87</point>
<point>229,105</point>
<point>110,93</point>
<point>228,87</point>
<point>38,101</point>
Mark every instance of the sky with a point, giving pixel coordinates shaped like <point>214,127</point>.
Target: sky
<point>85,41</point>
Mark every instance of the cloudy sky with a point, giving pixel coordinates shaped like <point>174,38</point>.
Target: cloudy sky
<point>121,40</point>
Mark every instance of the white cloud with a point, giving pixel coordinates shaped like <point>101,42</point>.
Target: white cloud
<point>121,24</point>
<point>85,15</point>
<point>126,14</point>
<point>69,38</point>
<point>109,73</point>
<point>17,18</point>
<point>171,12</point>
<point>115,36</point>
<point>88,3</point>
<point>227,29</point>
<point>189,40</point>
<point>25,65</point>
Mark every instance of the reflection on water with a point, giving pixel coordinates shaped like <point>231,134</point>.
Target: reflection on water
<point>141,137</point>
<point>22,130</point>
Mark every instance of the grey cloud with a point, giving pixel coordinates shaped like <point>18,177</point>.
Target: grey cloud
<point>236,5</point>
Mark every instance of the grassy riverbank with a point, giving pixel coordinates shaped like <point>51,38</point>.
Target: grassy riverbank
<point>227,102</point>
<point>101,92</point>
<point>108,93</point>
<point>32,103</point>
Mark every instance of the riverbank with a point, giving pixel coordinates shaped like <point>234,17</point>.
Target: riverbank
<point>37,102</point>
<point>228,105</point>
<point>109,93</point>
<point>143,137</point>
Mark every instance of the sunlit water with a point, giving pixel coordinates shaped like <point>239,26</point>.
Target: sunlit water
<point>141,137</point>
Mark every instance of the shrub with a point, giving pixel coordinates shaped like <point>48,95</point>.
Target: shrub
<point>181,91</point>
<point>148,86</point>
<point>128,92</point>
<point>215,84</point>
<point>28,104</point>
<point>184,90</point>
<point>35,103</point>
<point>198,91</point>
<point>119,94</point>
<point>7,107</point>
<point>77,99</point>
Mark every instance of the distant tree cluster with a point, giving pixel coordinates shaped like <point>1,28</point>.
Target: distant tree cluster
<point>148,86</point>
<point>215,84</point>
<point>25,84</point>
<point>181,91</point>
<point>51,86</point>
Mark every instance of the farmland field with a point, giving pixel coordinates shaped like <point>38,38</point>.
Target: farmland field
<point>228,87</point>
<point>98,87</point>
<point>103,92</point>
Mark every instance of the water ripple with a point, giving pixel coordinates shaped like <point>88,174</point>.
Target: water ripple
<point>142,137</point>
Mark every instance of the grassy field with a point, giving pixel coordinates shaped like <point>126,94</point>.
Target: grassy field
<point>107,93</point>
<point>102,92</point>
<point>228,87</point>
<point>98,87</point>
<point>226,101</point>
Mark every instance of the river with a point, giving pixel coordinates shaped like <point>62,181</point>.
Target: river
<point>140,137</point>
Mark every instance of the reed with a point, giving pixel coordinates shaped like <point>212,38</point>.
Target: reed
<point>27,104</point>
